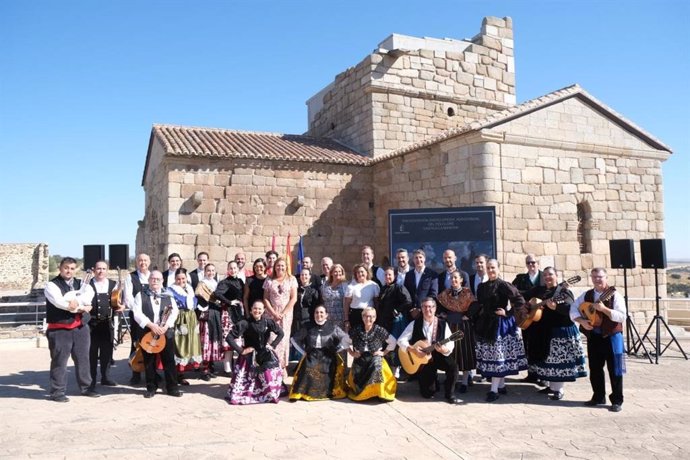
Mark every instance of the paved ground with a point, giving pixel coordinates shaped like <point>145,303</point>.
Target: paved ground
<point>523,424</point>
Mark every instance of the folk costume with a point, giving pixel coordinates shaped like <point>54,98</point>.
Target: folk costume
<point>431,332</point>
<point>102,334</point>
<point>370,375</point>
<point>554,347</point>
<point>458,317</point>
<point>229,292</point>
<point>320,373</point>
<point>257,375</point>
<point>605,347</point>
<point>187,338</point>
<point>500,350</point>
<point>68,335</point>
<point>210,328</point>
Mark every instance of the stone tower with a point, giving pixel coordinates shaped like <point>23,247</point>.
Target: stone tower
<point>410,89</point>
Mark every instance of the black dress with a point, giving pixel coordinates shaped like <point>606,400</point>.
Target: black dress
<point>321,372</point>
<point>394,300</point>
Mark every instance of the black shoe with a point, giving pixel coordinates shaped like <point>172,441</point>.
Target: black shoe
<point>491,396</point>
<point>546,391</point>
<point>61,398</point>
<point>92,387</point>
<point>541,383</point>
<point>470,381</point>
<point>90,393</point>
<point>205,377</point>
<point>503,391</point>
<point>428,396</point>
<point>595,402</point>
<point>183,382</point>
<point>453,400</point>
<point>616,408</point>
<point>108,383</point>
<point>530,379</point>
<point>149,394</point>
<point>175,393</point>
<point>556,396</point>
<point>462,388</point>
<point>135,380</point>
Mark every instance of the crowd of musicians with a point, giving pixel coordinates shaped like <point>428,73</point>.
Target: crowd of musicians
<point>398,323</point>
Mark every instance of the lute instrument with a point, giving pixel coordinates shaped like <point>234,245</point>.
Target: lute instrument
<point>588,311</point>
<point>73,295</point>
<point>117,297</point>
<point>411,362</point>
<point>154,343</point>
<point>535,306</point>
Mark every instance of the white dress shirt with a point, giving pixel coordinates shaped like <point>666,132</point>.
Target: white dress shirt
<point>143,320</point>
<point>427,328</point>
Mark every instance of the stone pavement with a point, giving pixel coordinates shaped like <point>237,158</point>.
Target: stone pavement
<point>523,424</point>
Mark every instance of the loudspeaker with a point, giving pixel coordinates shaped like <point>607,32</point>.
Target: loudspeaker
<point>622,253</point>
<point>92,254</point>
<point>118,256</point>
<point>653,253</point>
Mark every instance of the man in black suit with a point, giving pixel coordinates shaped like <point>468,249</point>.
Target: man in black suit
<point>525,282</point>
<point>196,275</point>
<point>479,275</point>
<point>449,261</point>
<point>422,282</point>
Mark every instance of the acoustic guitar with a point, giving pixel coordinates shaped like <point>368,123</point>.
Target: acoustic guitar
<point>411,362</point>
<point>117,297</point>
<point>536,306</point>
<point>136,360</point>
<point>588,311</point>
<point>154,343</point>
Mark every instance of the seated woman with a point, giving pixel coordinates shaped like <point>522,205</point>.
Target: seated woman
<point>320,373</point>
<point>258,377</point>
<point>370,375</point>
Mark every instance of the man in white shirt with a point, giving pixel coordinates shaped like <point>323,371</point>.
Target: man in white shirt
<point>68,303</point>
<point>479,276</point>
<point>134,283</point>
<point>326,265</point>
<point>198,274</point>
<point>151,306</point>
<point>604,341</point>
<point>377,275</point>
<point>431,329</point>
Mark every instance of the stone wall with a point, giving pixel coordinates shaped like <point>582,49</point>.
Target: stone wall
<point>394,99</point>
<point>224,206</point>
<point>23,266</point>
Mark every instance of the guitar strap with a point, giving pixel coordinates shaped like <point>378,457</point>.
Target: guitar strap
<point>434,330</point>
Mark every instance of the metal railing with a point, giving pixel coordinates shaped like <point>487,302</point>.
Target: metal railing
<point>14,314</point>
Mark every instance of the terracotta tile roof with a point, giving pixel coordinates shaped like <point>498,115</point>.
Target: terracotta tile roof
<point>525,108</point>
<point>226,143</point>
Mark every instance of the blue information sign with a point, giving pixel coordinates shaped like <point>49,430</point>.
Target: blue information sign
<point>467,231</point>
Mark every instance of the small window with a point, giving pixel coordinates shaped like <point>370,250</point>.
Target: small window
<point>451,112</point>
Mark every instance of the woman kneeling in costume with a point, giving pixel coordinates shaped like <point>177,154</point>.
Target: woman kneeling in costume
<point>258,376</point>
<point>370,375</point>
<point>320,373</point>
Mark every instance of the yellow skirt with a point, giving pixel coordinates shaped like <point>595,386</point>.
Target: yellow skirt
<point>371,377</point>
<point>315,380</point>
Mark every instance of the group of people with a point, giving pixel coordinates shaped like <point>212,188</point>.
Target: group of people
<point>255,320</point>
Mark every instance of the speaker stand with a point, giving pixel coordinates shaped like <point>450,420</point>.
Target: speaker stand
<point>658,321</point>
<point>631,333</point>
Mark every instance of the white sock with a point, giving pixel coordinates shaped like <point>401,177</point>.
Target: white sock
<point>557,386</point>
<point>494,384</point>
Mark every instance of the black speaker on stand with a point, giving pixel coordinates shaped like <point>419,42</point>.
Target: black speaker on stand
<point>92,254</point>
<point>654,256</point>
<point>623,256</point>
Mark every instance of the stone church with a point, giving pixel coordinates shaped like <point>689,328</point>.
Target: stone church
<point>418,123</point>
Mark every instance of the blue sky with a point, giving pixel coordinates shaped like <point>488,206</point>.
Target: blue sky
<point>81,83</point>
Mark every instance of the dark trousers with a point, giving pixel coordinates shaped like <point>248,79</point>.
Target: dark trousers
<point>355,318</point>
<point>600,353</point>
<point>64,343</point>
<point>101,348</point>
<point>427,375</point>
<point>168,360</point>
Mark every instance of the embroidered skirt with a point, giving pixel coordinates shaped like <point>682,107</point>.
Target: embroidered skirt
<point>566,359</point>
<point>506,355</point>
<point>319,375</point>
<point>254,384</point>
<point>187,341</point>
<point>371,377</point>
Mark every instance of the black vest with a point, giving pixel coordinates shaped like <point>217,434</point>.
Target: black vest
<point>147,309</point>
<point>418,330</point>
<point>100,304</point>
<point>58,315</point>
<point>137,286</point>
